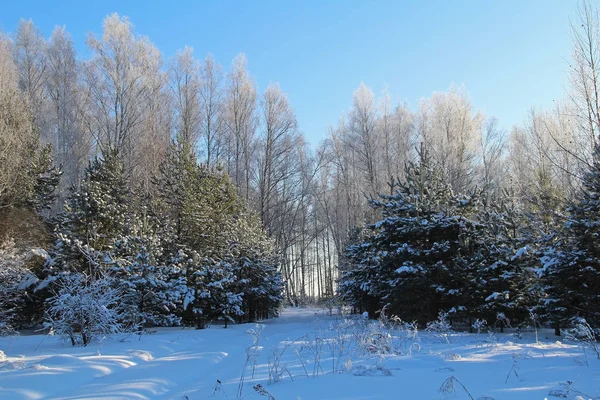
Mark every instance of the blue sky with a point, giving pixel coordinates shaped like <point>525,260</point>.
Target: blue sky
<point>510,55</point>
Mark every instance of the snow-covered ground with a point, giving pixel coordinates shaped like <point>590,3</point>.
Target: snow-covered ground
<point>304,354</point>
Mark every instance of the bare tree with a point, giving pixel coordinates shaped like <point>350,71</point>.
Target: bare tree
<point>363,136</point>
<point>153,136</point>
<point>18,135</point>
<point>115,81</point>
<point>585,70</point>
<point>72,143</point>
<point>450,130</point>
<point>30,57</point>
<point>396,130</point>
<point>211,101</point>
<point>279,140</point>
<point>537,167</point>
<point>125,86</point>
<point>186,86</point>
<point>492,165</point>
<point>240,122</point>
<point>8,68</point>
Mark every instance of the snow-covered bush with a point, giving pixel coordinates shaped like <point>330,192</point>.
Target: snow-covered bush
<point>15,279</point>
<point>84,309</point>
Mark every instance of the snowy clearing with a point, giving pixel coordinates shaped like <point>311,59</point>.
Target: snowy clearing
<point>304,354</point>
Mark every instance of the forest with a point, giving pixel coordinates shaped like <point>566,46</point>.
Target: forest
<point>140,191</point>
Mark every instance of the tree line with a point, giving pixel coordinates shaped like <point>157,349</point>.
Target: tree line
<point>183,127</point>
<point>474,223</point>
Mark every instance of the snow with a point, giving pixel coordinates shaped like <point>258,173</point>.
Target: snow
<point>370,362</point>
<point>494,296</point>
<point>406,269</point>
<point>520,253</point>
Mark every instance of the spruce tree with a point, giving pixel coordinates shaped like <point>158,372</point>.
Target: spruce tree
<point>571,271</point>
<point>411,262</point>
<point>436,251</point>
<point>506,261</point>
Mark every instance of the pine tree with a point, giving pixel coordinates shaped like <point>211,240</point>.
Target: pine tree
<point>506,281</point>
<point>85,298</point>
<point>197,204</point>
<point>435,251</point>
<point>96,214</point>
<point>228,260</point>
<point>571,272</point>
<point>411,261</point>
<point>151,286</point>
<point>358,269</point>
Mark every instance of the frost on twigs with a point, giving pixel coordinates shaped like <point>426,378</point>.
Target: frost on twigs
<point>84,309</point>
<point>448,387</point>
<point>260,389</point>
<point>582,332</point>
<point>567,389</point>
<point>480,325</point>
<point>440,327</point>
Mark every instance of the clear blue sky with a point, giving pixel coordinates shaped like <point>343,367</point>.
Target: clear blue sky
<point>510,54</point>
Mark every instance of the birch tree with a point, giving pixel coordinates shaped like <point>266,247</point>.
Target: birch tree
<point>125,85</point>
<point>240,122</point>
<point>211,109</point>
<point>72,144</point>
<point>279,140</point>
<point>30,57</point>
<point>585,73</point>
<point>449,127</point>
<point>186,84</point>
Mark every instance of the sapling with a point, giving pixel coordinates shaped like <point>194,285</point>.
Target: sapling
<point>85,309</point>
<point>534,319</point>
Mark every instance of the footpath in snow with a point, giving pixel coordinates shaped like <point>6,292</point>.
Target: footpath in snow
<point>305,354</point>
